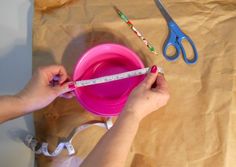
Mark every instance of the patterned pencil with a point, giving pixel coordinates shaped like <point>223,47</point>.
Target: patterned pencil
<point>125,19</point>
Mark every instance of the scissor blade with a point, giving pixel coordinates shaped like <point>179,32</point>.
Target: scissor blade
<point>163,10</point>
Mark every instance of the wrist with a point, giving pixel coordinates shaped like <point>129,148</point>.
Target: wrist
<point>132,115</point>
<point>21,102</point>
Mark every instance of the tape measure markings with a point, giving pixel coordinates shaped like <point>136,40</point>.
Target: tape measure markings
<point>111,78</point>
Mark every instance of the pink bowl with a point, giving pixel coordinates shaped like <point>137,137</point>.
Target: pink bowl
<point>106,99</point>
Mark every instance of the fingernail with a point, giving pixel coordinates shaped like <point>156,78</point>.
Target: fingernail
<point>56,77</point>
<point>71,86</point>
<point>154,69</point>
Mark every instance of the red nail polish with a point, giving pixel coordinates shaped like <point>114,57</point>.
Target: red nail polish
<point>71,86</point>
<point>154,69</point>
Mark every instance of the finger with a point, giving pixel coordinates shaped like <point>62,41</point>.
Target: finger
<point>65,88</point>
<point>55,72</point>
<point>63,74</point>
<point>161,83</point>
<point>68,95</point>
<point>151,77</point>
<point>55,81</point>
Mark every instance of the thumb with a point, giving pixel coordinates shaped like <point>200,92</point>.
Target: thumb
<point>65,88</point>
<point>151,77</point>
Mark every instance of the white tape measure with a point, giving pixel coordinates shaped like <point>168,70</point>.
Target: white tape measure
<point>115,77</point>
<point>111,78</point>
<point>42,148</point>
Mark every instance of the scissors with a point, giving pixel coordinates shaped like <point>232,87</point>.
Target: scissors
<point>175,38</point>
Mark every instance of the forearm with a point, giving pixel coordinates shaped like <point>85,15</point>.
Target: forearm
<point>113,148</point>
<point>11,107</point>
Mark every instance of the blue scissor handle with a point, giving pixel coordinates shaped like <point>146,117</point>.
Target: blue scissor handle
<point>171,41</point>
<point>186,59</point>
<point>174,39</point>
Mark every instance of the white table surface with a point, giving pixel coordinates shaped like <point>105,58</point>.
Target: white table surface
<point>15,71</point>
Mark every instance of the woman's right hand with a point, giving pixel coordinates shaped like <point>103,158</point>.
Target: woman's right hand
<point>149,96</point>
